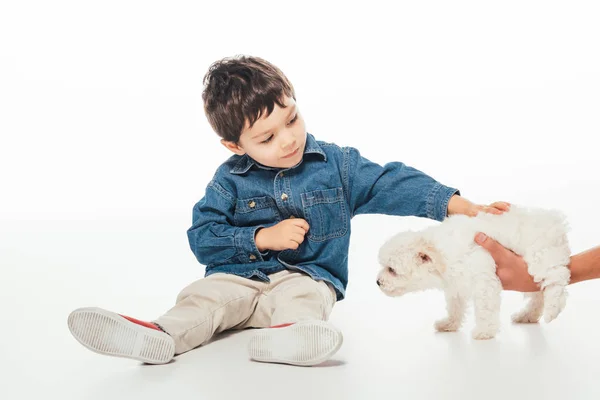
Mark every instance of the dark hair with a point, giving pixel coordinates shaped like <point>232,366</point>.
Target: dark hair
<point>239,89</point>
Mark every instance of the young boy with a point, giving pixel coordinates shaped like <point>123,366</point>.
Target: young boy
<point>272,229</point>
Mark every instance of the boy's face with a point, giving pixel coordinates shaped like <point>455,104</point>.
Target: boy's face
<point>275,141</point>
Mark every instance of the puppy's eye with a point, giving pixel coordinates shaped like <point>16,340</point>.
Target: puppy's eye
<point>391,271</point>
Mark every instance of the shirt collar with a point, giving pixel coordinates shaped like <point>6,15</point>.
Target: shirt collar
<point>246,162</point>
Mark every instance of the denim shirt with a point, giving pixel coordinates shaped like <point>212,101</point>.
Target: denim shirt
<point>327,188</point>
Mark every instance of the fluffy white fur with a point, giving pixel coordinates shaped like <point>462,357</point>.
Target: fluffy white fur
<point>445,256</point>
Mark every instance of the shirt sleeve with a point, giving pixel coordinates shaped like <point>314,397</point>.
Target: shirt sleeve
<point>394,189</point>
<point>213,238</point>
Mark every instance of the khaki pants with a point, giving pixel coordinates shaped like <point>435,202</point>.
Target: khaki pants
<point>222,302</point>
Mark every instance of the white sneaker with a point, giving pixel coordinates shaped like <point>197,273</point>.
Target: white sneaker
<point>112,334</point>
<point>302,343</point>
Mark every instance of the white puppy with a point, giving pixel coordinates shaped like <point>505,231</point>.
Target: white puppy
<point>445,256</point>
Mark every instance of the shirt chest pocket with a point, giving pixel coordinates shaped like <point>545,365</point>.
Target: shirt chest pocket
<point>256,211</point>
<point>325,212</point>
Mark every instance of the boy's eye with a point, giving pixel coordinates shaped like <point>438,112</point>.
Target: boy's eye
<point>267,140</point>
<point>293,120</point>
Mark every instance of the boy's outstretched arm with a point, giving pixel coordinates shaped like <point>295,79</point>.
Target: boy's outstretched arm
<point>512,268</point>
<point>393,189</point>
<point>398,189</point>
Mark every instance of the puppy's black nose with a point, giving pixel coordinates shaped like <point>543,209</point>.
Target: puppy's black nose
<point>378,282</point>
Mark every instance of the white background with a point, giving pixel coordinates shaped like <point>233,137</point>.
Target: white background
<point>104,150</point>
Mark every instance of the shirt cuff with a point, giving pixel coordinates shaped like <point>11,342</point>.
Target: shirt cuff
<point>437,201</point>
<point>246,245</point>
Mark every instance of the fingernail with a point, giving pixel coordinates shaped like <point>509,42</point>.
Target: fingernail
<point>480,238</point>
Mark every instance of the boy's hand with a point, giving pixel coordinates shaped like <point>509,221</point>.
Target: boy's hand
<point>498,207</point>
<point>285,235</point>
<point>460,205</point>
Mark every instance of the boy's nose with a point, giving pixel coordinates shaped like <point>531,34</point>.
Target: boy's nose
<point>289,140</point>
<point>289,146</point>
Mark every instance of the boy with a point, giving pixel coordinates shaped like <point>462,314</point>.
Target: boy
<point>272,229</point>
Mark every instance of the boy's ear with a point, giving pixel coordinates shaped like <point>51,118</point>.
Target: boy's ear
<point>234,147</point>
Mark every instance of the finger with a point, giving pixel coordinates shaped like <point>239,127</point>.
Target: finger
<point>501,205</point>
<point>298,237</point>
<point>298,230</point>
<point>293,245</point>
<point>492,210</point>
<point>301,223</point>
<point>496,250</point>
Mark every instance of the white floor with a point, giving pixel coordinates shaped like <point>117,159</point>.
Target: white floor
<point>390,348</point>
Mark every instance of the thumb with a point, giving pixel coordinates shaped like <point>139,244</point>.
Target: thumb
<point>487,243</point>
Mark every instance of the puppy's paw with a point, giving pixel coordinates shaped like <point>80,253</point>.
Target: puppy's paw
<point>446,325</point>
<point>525,317</point>
<point>553,308</point>
<point>550,313</point>
<point>483,334</point>
<point>555,299</point>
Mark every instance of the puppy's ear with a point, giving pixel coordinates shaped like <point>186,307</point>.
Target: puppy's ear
<point>429,257</point>
<point>424,258</point>
<point>425,251</point>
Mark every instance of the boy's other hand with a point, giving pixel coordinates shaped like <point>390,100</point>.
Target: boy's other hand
<point>288,234</point>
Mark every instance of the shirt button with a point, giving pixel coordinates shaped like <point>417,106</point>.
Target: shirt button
<point>281,174</point>
<point>252,204</point>
<point>284,197</point>
<point>252,257</point>
<point>292,217</point>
